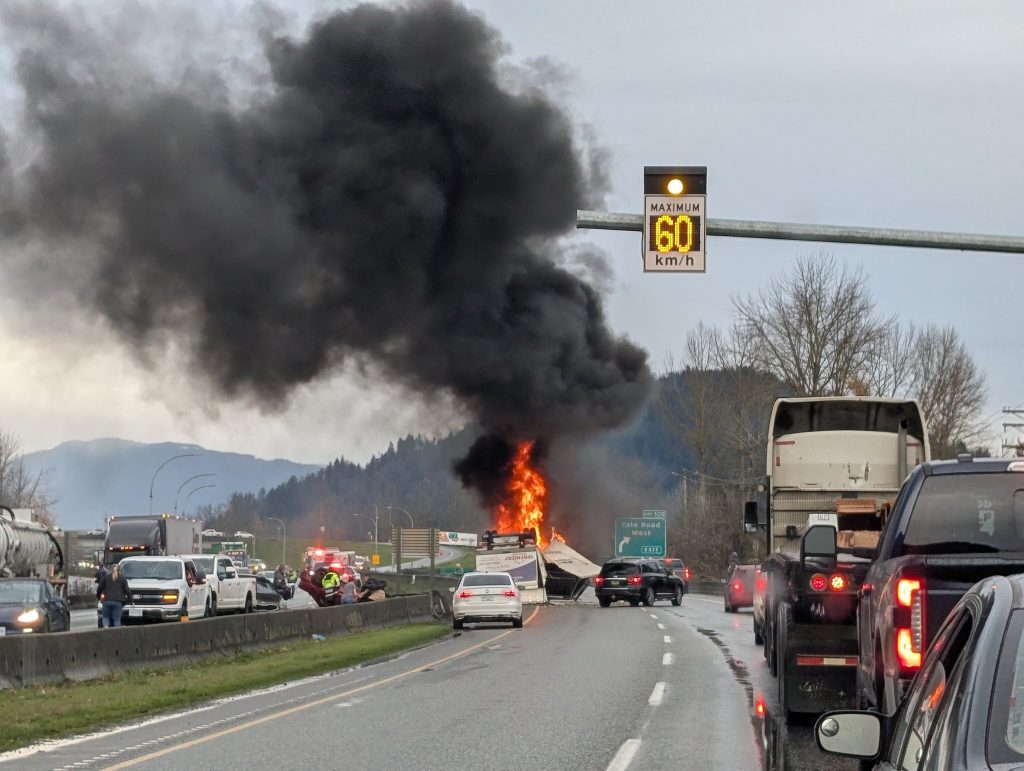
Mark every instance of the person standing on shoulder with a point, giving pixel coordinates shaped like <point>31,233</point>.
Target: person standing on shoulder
<point>348,592</point>
<point>114,593</point>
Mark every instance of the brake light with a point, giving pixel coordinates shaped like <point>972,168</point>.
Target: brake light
<point>905,589</point>
<point>818,582</point>
<point>837,582</point>
<point>909,658</point>
<point>687,573</point>
<point>464,594</point>
<point>761,584</point>
<point>635,580</point>
<point>736,586</point>
<point>909,639</point>
<point>598,580</point>
<point>760,707</point>
<point>509,593</point>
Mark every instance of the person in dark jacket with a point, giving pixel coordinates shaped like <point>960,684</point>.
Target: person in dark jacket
<point>114,593</point>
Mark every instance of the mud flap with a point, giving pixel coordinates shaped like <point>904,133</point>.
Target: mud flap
<point>821,668</point>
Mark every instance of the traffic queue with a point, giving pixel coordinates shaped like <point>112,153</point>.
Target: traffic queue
<point>895,613</point>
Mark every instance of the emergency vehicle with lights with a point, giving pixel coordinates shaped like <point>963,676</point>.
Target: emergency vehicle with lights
<point>834,466</point>
<point>955,523</point>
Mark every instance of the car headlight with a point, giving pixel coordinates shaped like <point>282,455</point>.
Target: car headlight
<point>29,617</point>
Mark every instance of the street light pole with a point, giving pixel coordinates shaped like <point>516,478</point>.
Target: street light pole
<point>201,487</point>
<point>151,481</point>
<point>411,523</point>
<point>283,536</point>
<point>197,476</point>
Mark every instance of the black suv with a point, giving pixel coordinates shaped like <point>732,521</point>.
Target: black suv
<point>636,581</point>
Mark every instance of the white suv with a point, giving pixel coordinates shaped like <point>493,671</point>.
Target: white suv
<point>165,589</point>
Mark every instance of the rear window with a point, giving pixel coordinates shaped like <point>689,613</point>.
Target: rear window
<point>967,513</point>
<point>492,579</point>
<point>672,564</point>
<point>619,569</point>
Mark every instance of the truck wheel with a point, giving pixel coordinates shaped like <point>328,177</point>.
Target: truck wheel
<point>248,603</point>
<point>648,598</point>
<point>677,597</point>
<point>213,603</point>
<point>782,656</point>
<point>758,637</point>
<point>769,641</point>
<point>604,602</point>
<point>208,613</point>
<point>183,614</point>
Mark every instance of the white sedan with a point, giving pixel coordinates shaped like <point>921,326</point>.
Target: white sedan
<point>487,597</point>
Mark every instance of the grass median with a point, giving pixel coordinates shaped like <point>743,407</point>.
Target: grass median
<point>54,711</point>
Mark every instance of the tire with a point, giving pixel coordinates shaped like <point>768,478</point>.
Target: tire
<point>677,597</point>
<point>248,604</point>
<point>456,623</point>
<point>183,615</point>
<point>785,618</point>
<point>769,642</point>
<point>213,603</point>
<point>728,607</point>
<point>209,612</point>
<point>648,598</point>
<point>758,636</point>
<point>517,623</point>
<point>604,602</point>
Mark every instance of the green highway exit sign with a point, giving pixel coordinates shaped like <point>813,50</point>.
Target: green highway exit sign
<point>642,536</point>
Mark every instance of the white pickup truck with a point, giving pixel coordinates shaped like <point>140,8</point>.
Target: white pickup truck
<point>230,591</point>
<point>163,589</point>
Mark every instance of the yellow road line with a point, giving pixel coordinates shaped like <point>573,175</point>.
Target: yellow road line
<point>317,703</point>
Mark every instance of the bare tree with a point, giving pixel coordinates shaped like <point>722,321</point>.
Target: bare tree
<point>814,329</point>
<point>950,388</point>
<point>19,487</point>
<point>889,370</point>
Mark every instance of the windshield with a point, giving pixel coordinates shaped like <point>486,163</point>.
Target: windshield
<point>21,592</point>
<point>132,532</point>
<point>967,513</point>
<point>162,570</point>
<point>491,579</point>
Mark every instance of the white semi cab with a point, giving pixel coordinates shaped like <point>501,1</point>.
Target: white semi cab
<point>164,589</point>
<point>231,592</point>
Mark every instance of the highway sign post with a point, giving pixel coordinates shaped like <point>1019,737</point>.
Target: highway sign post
<point>675,218</point>
<point>642,536</point>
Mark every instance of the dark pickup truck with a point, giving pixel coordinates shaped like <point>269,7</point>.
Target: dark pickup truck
<point>953,524</point>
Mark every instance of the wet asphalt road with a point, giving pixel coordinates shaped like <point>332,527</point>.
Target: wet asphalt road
<point>580,687</point>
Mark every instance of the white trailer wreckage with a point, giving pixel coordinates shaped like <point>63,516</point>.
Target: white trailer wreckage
<point>555,571</point>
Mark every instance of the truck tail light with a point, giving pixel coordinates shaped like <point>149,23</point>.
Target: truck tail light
<point>837,582</point>
<point>910,632</point>
<point>818,582</point>
<point>687,574</point>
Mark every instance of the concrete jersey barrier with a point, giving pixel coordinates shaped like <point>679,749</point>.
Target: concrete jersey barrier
<point>31,659</point>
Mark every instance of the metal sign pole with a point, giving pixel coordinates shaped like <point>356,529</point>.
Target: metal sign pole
<point>787,231</point>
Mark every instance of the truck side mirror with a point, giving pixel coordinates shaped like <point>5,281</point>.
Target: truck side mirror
<point>818,548</point>
<point>750,516</point>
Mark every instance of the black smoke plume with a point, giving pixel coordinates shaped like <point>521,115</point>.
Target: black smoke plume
<point>384,196</point>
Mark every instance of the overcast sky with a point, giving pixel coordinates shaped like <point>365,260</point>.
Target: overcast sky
<point>907,115</point>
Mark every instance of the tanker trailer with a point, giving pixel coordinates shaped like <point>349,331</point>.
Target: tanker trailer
<point>28,549</point>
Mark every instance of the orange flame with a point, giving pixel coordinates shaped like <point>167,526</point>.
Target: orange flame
<point>556,536</point>
<point>526,499</point>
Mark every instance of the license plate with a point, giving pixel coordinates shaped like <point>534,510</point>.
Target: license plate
<point>487,598</point>
<point>617,582</point>
<point>135,612</point>
<point>3,631</point>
